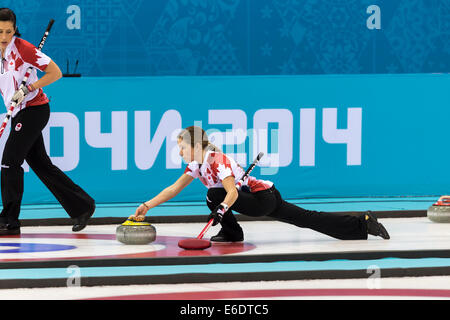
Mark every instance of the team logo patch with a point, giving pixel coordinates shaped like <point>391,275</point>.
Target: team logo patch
<point>18,127</point>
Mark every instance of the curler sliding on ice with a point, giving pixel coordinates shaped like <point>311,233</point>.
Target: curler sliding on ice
<point>220,174</point>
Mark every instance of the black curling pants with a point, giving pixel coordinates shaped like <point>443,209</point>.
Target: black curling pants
<point>269,203</point>
<point>25,142</point>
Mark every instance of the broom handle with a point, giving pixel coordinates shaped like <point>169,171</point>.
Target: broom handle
<point>205,229</point>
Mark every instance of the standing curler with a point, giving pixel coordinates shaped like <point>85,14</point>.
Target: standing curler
<point>29,110</point>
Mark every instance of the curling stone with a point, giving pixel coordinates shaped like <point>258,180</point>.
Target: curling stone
<point>135,233</point>
<point>439,211</point>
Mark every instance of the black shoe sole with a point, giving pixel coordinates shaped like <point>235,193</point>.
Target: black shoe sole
<point>379,229</point>
<point>224,240</point>
<point>383,232</point>
<point>10,232</point>
<point>82,221</point>
<point>78,227</point>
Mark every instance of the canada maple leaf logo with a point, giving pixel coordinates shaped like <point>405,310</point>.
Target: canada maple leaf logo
<point>225,170</point>
<point>17,61</point>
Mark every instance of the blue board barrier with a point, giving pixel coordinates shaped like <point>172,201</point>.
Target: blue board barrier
<point>324,136</point>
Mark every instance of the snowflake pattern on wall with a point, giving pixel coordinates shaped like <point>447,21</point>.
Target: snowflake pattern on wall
<point>241,37</point>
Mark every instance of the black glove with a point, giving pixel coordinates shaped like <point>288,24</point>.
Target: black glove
<point>217,213</point>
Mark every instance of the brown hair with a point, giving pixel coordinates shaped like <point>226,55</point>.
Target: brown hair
<point>193,135</point>
<point>7,14</point>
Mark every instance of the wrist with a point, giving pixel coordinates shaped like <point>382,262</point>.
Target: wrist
<point>31,88</point>
<point>225,206</point>
<point>145,205</point>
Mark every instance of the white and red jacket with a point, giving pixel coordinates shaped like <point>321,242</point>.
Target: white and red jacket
<point>217,166</point>
<point>19,55</point>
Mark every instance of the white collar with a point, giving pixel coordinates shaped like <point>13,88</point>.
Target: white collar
<point>207,155</point>
<point>9,47</point>
<point>204,160</point>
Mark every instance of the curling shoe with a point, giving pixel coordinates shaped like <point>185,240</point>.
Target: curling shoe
<point>374,227</point>
<point>5,231</point>
<point>222,237</point>
<point>81,221</point>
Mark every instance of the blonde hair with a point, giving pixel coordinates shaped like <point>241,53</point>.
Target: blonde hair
<point>193,135</point>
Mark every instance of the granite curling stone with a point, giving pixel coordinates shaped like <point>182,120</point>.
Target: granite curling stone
<point>439,212</point>
<point>135,233</point>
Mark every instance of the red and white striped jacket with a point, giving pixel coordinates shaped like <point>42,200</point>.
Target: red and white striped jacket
<point>19,55</point>
<point>217,166</point>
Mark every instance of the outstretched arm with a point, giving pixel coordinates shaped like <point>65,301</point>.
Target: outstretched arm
<point>165,195</point>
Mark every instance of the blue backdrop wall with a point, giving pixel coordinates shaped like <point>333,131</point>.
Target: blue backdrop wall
<point>324,135</point>
<point>241,37</point>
